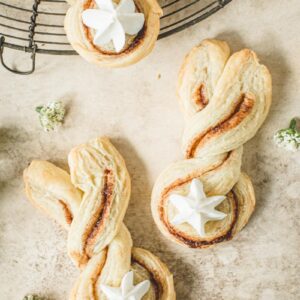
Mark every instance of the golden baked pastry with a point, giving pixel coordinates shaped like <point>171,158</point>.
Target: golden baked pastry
<point>91,204</point>
<point>99,171</point>
<point>199,75</point>
<point>136,45</point>
<point>50,189</point>
<point>205,199</point>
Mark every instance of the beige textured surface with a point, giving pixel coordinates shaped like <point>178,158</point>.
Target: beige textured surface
<point>140,113</point>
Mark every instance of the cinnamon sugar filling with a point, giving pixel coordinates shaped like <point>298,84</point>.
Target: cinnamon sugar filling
<point>238,114</point>
<point>157,286</point>
<point>67,212</point>
<point>200,98</point>
<point>102,211</point>
<point>95,276</point>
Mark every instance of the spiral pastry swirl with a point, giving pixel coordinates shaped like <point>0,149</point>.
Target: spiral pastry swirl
<point>91,204</point>
<point>225,99</point>
<point>137,46</point>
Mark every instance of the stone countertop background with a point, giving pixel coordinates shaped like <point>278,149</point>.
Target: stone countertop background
<point>137,108</point>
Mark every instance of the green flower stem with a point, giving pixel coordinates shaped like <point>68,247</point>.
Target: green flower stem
<point>33,297</point>
<point>288,138</point>
<point>293,124</point>
<point>38,109</point>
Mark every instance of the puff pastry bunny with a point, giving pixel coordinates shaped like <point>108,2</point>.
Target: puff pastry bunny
<point>225,99</point>
<point>91,204</point>
<point>137,45</point>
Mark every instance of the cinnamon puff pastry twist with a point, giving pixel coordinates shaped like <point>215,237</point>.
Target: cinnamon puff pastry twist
<point>205,199</point>
<point>113,33</point>
<point>91,204</point>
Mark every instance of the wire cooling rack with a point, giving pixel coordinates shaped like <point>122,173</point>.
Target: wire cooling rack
<point>36,26</point>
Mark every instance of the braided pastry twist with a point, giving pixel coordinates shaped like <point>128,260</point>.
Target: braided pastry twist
<point>91,204</point>
<point>225,99</point>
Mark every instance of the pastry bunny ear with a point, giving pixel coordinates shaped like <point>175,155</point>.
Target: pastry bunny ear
<point>99,171</point>
<point>237,109</point>
<point>91,204</point>
<point>50,189</point>
<point>199,75</point>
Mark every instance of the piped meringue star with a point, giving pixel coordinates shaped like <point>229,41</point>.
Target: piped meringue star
<point>112,22</point>
<point>196,208</point>
<point>127,291</point>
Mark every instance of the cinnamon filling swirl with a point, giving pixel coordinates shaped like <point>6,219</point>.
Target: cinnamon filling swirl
<point>131,41</point>
<point>67,212</point>
<point>200,98</point>
<point>155,284</point>
<point>95,276</point>
<point>197,243</point>
<point>102,211</point>
<point>184,238</point>
<point>237,115</point>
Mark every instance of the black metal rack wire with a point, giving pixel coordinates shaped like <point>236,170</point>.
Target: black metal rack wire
<point>36,26</point>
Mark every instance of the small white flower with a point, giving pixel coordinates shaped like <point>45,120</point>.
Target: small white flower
<point>112,22</point>
<point>196,208</point>
<point>288,138</point>
<point>51,115</point>
<point>127,291</point>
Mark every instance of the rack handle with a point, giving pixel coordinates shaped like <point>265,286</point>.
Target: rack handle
<point>34,47</point>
